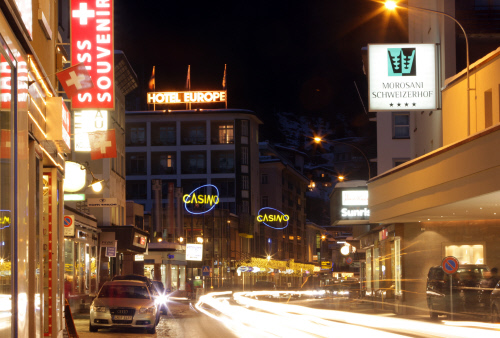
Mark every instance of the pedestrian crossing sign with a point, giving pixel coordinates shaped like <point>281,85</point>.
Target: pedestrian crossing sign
<point>205,270</point>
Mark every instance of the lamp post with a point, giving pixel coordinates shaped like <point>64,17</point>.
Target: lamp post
<point>319,140</point>
<point>392,5</point>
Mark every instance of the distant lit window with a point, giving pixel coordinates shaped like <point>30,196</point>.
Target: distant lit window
<point>226,134</point>
<point>401,125</point>
<point>138,135</point>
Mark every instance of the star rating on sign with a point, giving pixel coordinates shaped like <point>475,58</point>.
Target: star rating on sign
<point>406,104</point>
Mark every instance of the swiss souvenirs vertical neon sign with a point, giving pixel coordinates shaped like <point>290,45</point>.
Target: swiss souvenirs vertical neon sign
<point>92,42</point>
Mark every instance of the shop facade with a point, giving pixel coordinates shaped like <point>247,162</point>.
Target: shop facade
<point>80,258</point>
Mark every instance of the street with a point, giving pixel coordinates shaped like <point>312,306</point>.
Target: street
<point>182,321</point>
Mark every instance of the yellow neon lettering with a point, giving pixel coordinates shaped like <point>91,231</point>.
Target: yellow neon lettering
<point>184,198</point>
<point>259,218</point>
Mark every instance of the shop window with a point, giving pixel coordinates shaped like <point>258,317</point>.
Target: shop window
<point>401,125</point>
<point>466,254</point>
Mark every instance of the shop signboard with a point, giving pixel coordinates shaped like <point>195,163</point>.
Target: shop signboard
<point>273,218</point>
<point>201,200</point>
<point>354,205</point>
<point>194,252</point>
<point>186,97</point>
<point>69,226</point>
<point>86,122</point>
<point>102,202</point>
<point>107,239</point>
<point>92,43</point>
<point>402,77</point>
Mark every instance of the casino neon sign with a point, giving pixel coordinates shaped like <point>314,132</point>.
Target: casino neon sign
<point>273,218</point>
<point>200,198</point>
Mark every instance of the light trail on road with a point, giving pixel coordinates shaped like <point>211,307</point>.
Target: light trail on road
<point>253,316</point>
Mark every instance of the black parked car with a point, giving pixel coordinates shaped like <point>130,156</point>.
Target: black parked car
<point>468,297</point>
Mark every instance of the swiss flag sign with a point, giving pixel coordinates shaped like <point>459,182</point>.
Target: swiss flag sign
<point>75,79</point>
<point>102,144</point>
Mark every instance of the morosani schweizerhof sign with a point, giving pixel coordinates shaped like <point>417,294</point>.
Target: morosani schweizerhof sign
<point>402,77</point>
<point>92,43</point>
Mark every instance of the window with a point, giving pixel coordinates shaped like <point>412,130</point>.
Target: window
<point>244,128</point>
<point>162,163</point>
<point>135,134</point>
<point>163,134</point>
<point>245,206</point>
<point>244,155</point>
<point>264,201</point>
<point>193,162</point>
<point>193,133</point>
<point>225,186</point>
<point>401,125</point>
<point>264,179</point>
<point>399,161</point>
<point>222,162</point>
<point>245,182</point>
<point>226,134</point>
<point>136,164</point>
<point>488,109</point>
<point>136,190</point>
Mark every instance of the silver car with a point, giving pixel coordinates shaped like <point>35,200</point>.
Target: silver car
<point>124,304</point>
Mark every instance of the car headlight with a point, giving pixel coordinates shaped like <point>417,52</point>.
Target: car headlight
<point>99,308</point>
<point>150,310</point>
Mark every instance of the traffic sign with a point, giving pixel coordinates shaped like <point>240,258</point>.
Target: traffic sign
<point>69,225</point>
<point>205,270</point>
<point>348,260</point>
<point>450,265</point>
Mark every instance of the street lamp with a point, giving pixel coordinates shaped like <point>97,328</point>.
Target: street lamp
<point>392,5</point>
<point>319,140</point>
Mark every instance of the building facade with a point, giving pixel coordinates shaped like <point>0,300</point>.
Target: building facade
<point>172,154</point>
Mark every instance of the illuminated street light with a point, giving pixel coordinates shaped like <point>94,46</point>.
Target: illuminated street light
<point>340,178</point>
<point>181,239</point>
<point>319,140</point>
<point>199,239</point>
<point>392,5</point>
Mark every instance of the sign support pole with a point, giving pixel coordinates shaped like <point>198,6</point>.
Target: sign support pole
<point>451,296</point>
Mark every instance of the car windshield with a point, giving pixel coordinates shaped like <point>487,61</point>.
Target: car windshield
<point>124,291</point>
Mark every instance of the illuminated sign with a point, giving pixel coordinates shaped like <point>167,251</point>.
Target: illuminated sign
<point>200,200</point>
<point>402,77</point>
<point>25,10</point>
<point>194,252</point>
<point>355,197</point>
<point>74,197</point>
<point>273,218</point>
<point>88,121</point>
<point>92,43</point>
<point>139,240</point>
<point>59,126</point>
<point>186,97</point>
<point>365,212</point>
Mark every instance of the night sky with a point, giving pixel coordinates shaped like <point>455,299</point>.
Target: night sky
<point>292,56</point>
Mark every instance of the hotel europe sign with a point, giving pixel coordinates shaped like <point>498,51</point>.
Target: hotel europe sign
<point>402,77</point>
<point>186,97</point>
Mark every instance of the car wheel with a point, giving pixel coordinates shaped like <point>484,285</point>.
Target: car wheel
<point>92,328</point>
<point>151,330</point>
<point>495,315</point>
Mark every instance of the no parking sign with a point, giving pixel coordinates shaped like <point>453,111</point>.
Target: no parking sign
<point>69,226</point>
<point>450,265</point>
